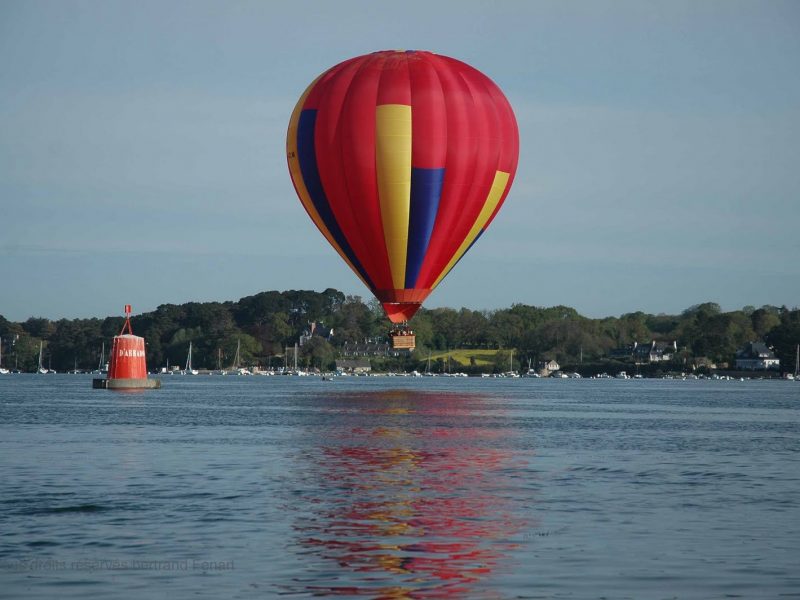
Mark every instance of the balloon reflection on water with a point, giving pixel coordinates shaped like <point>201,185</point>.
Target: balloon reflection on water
<point>410,494</point>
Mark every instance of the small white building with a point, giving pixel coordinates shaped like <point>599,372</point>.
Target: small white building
<point>654,352</point>
<point>646,353</point>
<point>757,356</point>
<point>547,367</point>
<point>353,365</point>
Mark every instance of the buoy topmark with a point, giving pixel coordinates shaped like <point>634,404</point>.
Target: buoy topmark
<point>127,368</point>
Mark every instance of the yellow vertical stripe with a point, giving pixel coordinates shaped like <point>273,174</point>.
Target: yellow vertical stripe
<point>297,177</point>
<point>495,193</point>
<point>393,158</point>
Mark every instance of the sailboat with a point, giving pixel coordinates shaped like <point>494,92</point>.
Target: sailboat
<point>41,368</point>
<point>2,370</point>
<point>236,369</point>
<point>220,370</point>
<point>102,366</point>
<point>511,372</point>
<point>296,371</point>
<point>531,371</point>
<point>189,370</point>
<point>427,372</point>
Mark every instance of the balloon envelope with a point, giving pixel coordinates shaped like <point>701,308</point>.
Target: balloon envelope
<point>402,159</point>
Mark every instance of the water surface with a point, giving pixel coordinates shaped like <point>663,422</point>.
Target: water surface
<point>253,487</point>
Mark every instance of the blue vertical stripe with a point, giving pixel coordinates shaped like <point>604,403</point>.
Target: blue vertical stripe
<point>306,156</point>
<point>426,189</point>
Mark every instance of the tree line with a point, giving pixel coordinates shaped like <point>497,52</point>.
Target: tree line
<point>265,324</point>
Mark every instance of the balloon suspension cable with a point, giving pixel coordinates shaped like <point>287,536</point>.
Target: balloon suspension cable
<point>401,328</point>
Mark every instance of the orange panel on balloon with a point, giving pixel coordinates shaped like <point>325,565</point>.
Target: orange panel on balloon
<point>400,312</point>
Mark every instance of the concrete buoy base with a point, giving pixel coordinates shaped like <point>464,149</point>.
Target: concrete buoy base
<point>126,384</point>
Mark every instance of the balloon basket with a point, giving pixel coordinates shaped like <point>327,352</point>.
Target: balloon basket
<point>403,339</point>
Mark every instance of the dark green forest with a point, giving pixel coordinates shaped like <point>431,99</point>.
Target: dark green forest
<point>266,323</point>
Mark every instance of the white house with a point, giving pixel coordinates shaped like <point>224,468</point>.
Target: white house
<point>756,356</point>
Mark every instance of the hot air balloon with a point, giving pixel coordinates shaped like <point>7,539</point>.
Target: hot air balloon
<point>402,160</point>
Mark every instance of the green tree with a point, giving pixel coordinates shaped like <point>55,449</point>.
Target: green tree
<point>502,361</point>
<point>471,328</point>
<point>445,332</point>
<point>422,326</point>
<point>249,350</point>
<point>39,327</point>
<point>354,321</point>
<point>25,353</point>
<point>505,329</point>
<point>317,352</point>
<point>785,337</point>
<point>764,321</point>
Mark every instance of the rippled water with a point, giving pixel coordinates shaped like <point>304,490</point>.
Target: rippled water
<point>253,487</point>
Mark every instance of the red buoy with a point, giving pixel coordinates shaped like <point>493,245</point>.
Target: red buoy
<point>127,367</point>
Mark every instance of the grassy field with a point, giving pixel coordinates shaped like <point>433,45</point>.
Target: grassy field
<point>482,357</point>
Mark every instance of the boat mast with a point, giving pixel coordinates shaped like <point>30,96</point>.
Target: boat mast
<point>797,361</point>
<point>40,356</point>
<point>2,370</point>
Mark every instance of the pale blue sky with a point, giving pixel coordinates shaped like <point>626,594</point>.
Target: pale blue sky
<point>142,150</point>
